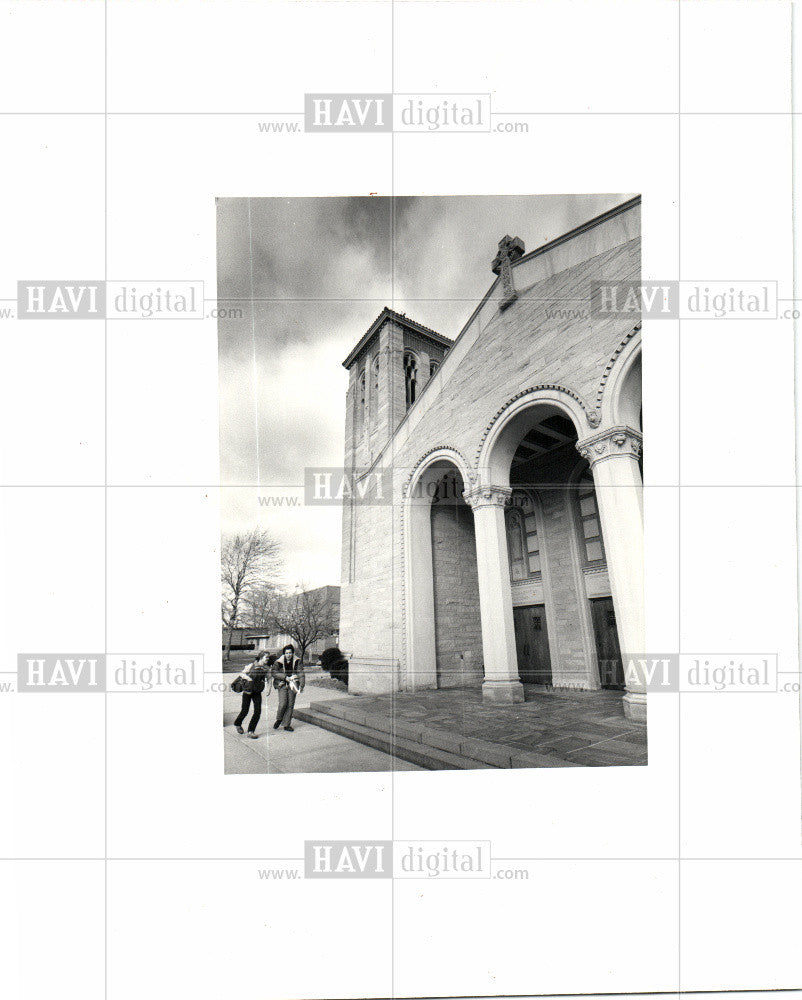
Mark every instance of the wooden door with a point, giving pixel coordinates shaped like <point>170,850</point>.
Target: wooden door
<point>532,642</point>
<point>611,669</point>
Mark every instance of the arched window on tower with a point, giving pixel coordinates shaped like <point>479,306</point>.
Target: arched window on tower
<point>433,366</point>
<point>523,544</point>
<point>590,533</point>
<point>410,377</point>
<point>362,400</point>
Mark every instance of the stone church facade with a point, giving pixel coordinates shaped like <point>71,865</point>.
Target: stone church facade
<point>510,552</point>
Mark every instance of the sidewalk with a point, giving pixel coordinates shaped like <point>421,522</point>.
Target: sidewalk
<point>309,749</point>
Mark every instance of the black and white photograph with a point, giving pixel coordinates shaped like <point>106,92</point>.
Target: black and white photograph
<point>440,420</point>
<point>400,500</point>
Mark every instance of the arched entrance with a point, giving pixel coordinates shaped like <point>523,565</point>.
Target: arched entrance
<point>531,425</point>
<point>555,552</point>
<point>559,552</point>
<point>443,624</point>
<point>527,447</point>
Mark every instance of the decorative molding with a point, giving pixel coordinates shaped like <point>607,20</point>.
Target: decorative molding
<point>596,416</point>
<point>553,386</point>
<point>472,476</point>
<point>610,443</point>
<point>488,496</point>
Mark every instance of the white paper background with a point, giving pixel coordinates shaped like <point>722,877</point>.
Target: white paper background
<point>135,802</point>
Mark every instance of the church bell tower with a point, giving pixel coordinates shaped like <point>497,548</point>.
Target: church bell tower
<point>388,370</point>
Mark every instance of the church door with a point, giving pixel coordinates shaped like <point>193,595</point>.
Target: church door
<point>532,641</point>
<point>611,669</point>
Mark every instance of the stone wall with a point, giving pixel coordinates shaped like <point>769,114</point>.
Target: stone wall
<point>458,627</point>
<point>366,603</point>
<point>517,349</point>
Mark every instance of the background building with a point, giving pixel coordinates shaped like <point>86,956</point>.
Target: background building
<point>328,599</point>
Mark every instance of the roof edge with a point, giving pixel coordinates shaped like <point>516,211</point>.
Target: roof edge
<point>611,213</point>
<point>388,313</point>
<point>597,220</point>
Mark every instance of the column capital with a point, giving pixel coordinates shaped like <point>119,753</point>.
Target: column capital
<point>488,496</point>
<point>610,443</point>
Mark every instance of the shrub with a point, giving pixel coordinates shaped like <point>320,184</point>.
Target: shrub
<point>333,661</point>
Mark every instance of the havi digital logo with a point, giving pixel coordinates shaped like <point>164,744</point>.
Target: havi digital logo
<point>348,112</point>
<point>61,299</point>
<point>50,672</point>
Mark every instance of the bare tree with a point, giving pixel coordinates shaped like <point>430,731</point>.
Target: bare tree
<point>260,606</point>
<point>248,560</point>
<point>305,617</point>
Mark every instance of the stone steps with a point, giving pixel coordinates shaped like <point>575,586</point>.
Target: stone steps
<point>434,749</point>
<point>413,751</point>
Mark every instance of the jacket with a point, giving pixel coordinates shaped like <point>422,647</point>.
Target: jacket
<point>279,674</point>
<point>253,679</point>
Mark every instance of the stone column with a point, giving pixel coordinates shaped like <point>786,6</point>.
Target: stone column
<point>613,455</point>
<point>502,684</point>
<point>421,645</point>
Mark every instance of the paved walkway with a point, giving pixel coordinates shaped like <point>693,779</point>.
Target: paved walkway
<point>307,750</point>
<point>585,728</point>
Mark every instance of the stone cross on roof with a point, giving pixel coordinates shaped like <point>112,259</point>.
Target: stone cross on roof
<point>510,249</point>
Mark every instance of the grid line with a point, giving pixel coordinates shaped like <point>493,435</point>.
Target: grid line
<point>106,485</point>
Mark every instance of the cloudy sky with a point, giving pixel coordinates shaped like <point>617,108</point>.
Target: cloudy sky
<point>317,272</point>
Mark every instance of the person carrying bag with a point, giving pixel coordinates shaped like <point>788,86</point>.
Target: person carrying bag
<point>251,683</point>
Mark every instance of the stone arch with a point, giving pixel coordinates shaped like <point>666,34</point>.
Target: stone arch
<point>564,594</point>
<point>419,585</point>
<point>502,435</point>
<point>441,452</point>
<point>412,370</point>
<point>619,395</point>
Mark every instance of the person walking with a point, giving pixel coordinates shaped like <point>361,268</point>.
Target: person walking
<point>289,680</point>
<point>253,679</point>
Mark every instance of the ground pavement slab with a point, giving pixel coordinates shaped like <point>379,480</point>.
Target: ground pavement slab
<point>309,749</point>
<point>455,728</point>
